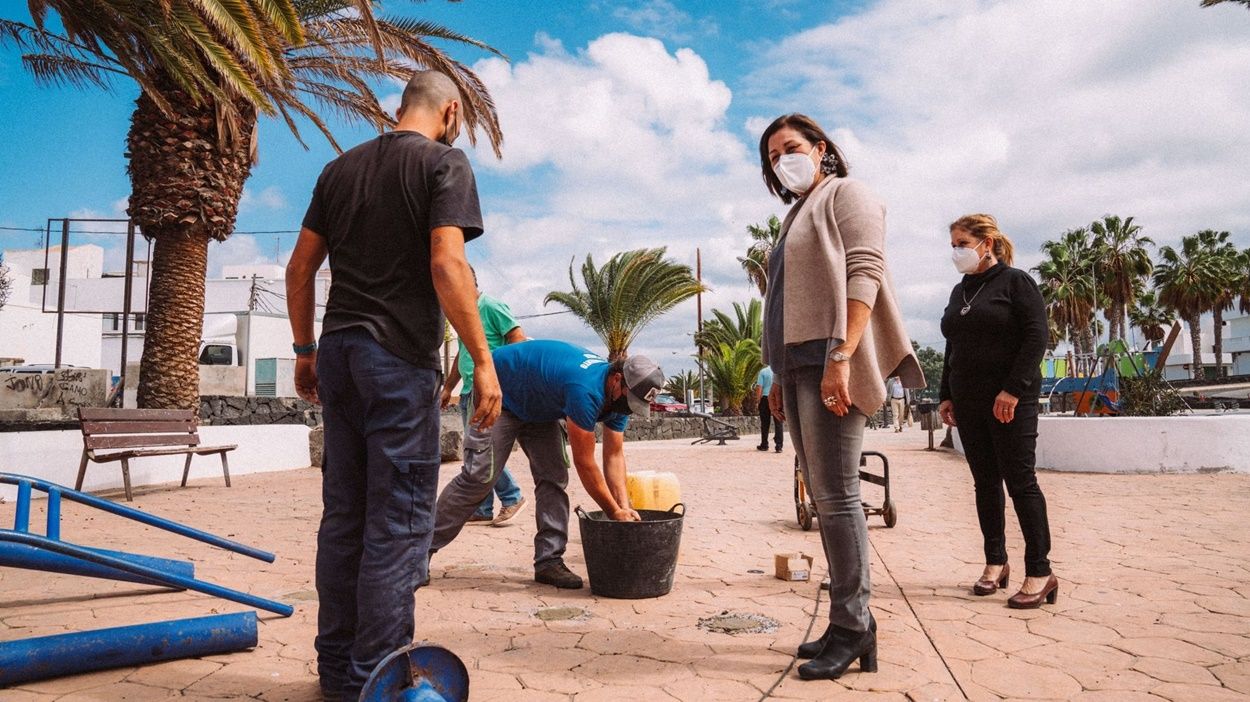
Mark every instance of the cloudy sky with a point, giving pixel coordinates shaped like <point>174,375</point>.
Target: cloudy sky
<point>631,124</point>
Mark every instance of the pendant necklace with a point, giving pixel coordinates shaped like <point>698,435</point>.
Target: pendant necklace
<point>968,301</point>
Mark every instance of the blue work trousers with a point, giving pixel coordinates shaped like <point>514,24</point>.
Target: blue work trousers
<point>506,488</point>
<point>379,485</point>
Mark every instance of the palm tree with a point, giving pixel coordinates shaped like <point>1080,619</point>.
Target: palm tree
<point>631,290</point>
<point>732,371</point>
<point>1150,317</point>
<point>1123,262</point>
<point>6,283</point>
<point>678,385</point>
<point>1186,283</point>
<point>1069,287</point>
<point>207,70</point>
<point>1225,262</point>
<point>747,323</point>
<point>1212,3</point>
<point>763,241</point>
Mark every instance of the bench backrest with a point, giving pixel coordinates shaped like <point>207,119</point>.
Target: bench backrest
<point>137,428</point>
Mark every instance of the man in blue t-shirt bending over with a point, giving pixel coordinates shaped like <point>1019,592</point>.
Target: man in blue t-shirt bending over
<point>544,382</point>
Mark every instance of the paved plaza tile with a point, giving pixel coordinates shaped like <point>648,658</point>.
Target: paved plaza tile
<point>1154,599</point>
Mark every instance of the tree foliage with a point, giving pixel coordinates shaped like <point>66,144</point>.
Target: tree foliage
<point>763,240</point>
<point>747,322</point>
<point>679,384</point>
<point>629,292</point>
<point>6,282</point>
<point>732,371</point>
<point>931,363</point>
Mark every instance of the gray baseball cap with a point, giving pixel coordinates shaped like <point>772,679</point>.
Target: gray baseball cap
<point>643,380</point>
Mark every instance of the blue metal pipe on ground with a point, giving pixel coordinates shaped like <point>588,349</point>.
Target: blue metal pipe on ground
<point>25,482</point>
<point>14,555</point>
<point>171,580</point>
<point>67,654</point>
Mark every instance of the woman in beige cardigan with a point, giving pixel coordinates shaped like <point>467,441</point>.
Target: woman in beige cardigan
<point>832,335</point>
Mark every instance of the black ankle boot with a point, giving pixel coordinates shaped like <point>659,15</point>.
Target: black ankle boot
<point>843,648</point>
<point>812,648</point>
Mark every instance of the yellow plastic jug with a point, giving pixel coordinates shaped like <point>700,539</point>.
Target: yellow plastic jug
<point>649,489</point>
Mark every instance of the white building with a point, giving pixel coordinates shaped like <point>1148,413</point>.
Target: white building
<point>1237,343</point>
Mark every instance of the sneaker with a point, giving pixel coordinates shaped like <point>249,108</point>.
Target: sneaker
<point>762,447</point>
<point>480,519</point>
<point>507,512</point>
<point>558,574</point>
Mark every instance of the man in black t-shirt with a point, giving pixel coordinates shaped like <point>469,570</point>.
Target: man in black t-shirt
<point>393,215</point>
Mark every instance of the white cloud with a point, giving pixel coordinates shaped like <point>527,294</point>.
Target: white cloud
<point>660,18</point>
<point>1048,115</point>
<point>271,198</point>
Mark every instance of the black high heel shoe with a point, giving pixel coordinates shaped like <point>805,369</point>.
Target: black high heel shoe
<point>843,648</point>
<point>812,648</point>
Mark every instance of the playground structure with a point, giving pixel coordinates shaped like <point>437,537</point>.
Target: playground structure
<point>66,654</point>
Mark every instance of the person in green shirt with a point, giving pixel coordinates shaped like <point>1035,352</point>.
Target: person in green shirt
<point>501,328</point>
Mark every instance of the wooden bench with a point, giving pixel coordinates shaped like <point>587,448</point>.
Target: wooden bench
<point>122,434</point>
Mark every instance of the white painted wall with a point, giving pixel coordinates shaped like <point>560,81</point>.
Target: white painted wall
<point>26,332</point>
<point>1187,444</point>
<point>54,455</point>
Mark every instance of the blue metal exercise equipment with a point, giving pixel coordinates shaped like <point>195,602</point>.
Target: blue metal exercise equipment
<point>419,673</point>
<point>67,654</point>
<point>21,549</point>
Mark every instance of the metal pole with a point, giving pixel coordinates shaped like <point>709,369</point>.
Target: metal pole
<point>35,558</point>
<point>125,646</point>
<point>698,268</point>
<point>128,288</point>
<point>60,294</point>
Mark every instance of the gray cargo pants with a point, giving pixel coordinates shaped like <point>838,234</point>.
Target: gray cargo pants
<point>485,453</point>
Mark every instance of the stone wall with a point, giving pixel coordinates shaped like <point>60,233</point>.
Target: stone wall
<point>67,388</point>
<point>228,410</point>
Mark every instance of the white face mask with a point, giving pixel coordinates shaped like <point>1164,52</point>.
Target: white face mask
<point>796,172</point>
<point>966,259</point>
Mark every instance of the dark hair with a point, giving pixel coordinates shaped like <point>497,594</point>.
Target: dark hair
<point>810,131</point>
<point>618,366</point>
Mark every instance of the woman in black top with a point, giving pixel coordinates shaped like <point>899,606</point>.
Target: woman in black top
<point>996,333</point>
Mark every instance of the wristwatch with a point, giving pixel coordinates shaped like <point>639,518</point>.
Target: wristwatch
<point>305,349</point>
<point>838,357</point>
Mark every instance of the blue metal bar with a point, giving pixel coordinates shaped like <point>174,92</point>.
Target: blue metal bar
<point>14,555</point>
<point>169,579</point>
<point>67,654</point>
<point>21,520</point>
<point>129,513</point>
<point>54,514</point>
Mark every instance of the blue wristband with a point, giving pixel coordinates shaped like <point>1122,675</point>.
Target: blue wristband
<point>304,350</point>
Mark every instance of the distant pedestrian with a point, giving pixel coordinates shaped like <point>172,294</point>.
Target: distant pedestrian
<point>393,215</point>
<point>763,386</point>
<point>832,334</point>
<point>898,403</point>
<point>544,383</point>
<point>501,328</point>
<point>996,335</point>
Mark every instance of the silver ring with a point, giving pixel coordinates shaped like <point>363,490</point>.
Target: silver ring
<point>831,400</point>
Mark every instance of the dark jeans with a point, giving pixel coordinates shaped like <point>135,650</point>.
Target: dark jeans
<point>766,417</point>
<point>379,481</point>
<point>1001,453</point>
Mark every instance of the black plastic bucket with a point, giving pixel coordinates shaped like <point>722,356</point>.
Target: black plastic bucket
<point>632,560</point>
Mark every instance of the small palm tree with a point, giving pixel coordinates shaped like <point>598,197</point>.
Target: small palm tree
<point>763,240</point>
<point>1225,263</point>
<point>1070,288</point>
<point>207,70</point>
<point>1123,262</point>
<point>679,384</point>
<point>1187,284</point>
<point>747,323</point>
<point>629,292</point>
<point>732,371</point>
<point>1150,317</point>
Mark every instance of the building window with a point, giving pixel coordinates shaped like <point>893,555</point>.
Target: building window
<point>39,276</point>
<point>139,322</point>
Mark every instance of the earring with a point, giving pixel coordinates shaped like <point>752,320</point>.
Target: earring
<point>829,164</point>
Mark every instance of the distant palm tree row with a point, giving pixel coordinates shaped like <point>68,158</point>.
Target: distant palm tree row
<point>1107,267</point>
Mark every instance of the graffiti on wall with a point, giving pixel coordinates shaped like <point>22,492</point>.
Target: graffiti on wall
<point>67,387</point>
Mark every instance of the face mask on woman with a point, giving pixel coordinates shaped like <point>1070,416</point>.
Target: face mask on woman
<point>796,172</point>
<point>966,259</point>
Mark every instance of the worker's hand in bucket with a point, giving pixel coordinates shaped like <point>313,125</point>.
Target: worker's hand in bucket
<point>625,514</point>
<point>947,411</point>
<point>306,377</point>
<point>487,396</point>
<point>775,404</point>
<point>1005,407</point>
<point>835,387</point>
